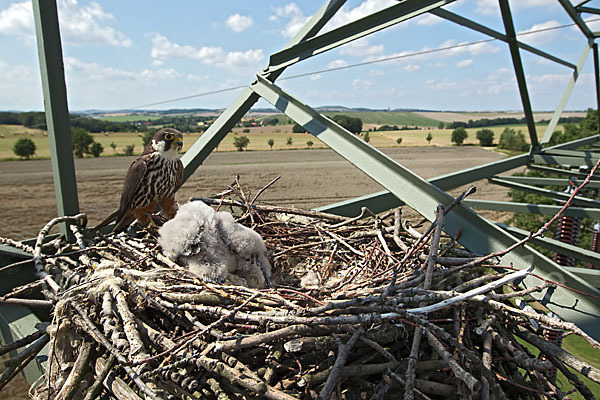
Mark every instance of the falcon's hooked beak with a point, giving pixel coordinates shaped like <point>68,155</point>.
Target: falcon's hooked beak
<point>180,144</point>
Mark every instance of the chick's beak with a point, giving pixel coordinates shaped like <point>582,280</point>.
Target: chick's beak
<point>180,143</point>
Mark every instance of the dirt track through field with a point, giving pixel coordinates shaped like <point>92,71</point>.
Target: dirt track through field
<point>309,178</point>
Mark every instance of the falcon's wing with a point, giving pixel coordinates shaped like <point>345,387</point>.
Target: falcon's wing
<point>133,179</point>
<point>179,172</point>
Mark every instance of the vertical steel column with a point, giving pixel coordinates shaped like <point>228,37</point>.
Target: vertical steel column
<point>520,74</point>
<point>597,81</point>
<point>55,104</point>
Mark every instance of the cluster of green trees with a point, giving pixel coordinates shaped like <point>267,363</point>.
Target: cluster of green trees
<point>485,122</point>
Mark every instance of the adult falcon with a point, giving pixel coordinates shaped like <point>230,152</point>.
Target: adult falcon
<point>151,181</point>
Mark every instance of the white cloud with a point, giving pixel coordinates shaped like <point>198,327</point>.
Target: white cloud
<point>367,7</point>
<point>17,19</point>
<point>376,72</point>
<point>337,64</point>
<point>464,63</point>
<point>361,48</point>
<point>428,19</point>
<point>444,84</point>
<point>296,18</point>
<point>238,22</point>
<point>411,68</point>
<point>315,77</point>
<point>490,7</point>
<point>548,79</point>
<point>79,25</point>
<point>162,49</point>
<point>529,36</point>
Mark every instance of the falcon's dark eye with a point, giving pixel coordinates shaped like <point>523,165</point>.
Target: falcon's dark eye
<point>169,136</point>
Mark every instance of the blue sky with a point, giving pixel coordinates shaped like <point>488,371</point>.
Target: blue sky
<point>123,54</point>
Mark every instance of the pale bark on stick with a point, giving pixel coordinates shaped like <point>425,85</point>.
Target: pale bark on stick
<point>136,346</point>
<point>471,293</point>
<point>113,383</point>
<point>471,382</point>
<point>487,363</point>
<point>101,374</point>
<point>560,354</point>
<point>77,372</point>
<point>334,376</point>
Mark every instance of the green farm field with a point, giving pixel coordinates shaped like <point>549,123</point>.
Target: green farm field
<point>258,136</point>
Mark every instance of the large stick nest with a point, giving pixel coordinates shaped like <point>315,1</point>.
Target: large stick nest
<point>354,312</point>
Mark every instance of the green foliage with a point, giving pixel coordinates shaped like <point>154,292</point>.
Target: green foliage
<point>148,136</point>
<point>24,147</point>
<point>384,128</point>
<point>459,135</point>
<point>309,144</point>
<point>96,149</point>
<point>271,142</point>
<point>297,128</point>
<point>485,137</point>
<point>289,141</point>
<point>82,140</point>
<point>113,145</point>
<point>351,124</point>
<point>128,150</point>
<point>587,127</point>
<point>399,140</point>
<point>441,125</point>
<point>512,140</point>
<point>241,142</point>
<point>271,121</point>
<point>429,138</point>
<point>366,137</point>
<point>246,130</point>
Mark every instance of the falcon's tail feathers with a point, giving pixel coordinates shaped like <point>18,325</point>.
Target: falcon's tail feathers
<point>112,217</point>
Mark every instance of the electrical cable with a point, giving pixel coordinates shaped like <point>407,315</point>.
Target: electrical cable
<point>396,57</point>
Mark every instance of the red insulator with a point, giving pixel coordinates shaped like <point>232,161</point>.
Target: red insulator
<point>595,245</point>
<point>567,232</point>
<point>554,336</point>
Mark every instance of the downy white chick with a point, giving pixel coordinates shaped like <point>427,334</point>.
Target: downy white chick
<point>215,247</point>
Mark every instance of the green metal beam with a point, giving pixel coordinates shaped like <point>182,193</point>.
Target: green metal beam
<point>565,97</point>
<point>198,152</point>
<point>519,72</point>
<point>589,10</point>
<point>450,16</point>
<point>570,9</point>
<point>384,200</point>
<point>572,153</point>
<point>478,235</point>
<point>543,209</point>
<point>597,80</point>
<point>560,171</point>
<point>589,275</point>
<point>557,246</point>
<point>352,31</point>
<point>549,159</point>
<point>562,182</point>
<point>55,103</point>
<point>578,200</point>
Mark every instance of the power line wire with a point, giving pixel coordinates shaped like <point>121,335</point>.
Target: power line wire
<point>391,58</point>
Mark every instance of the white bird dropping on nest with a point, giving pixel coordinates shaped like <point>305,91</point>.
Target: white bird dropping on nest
<point>215,247</point>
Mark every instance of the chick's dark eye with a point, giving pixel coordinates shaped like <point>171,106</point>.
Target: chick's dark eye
<point>169,136</point>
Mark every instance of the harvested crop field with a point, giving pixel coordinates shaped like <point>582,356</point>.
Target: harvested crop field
<point>309,178</point>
